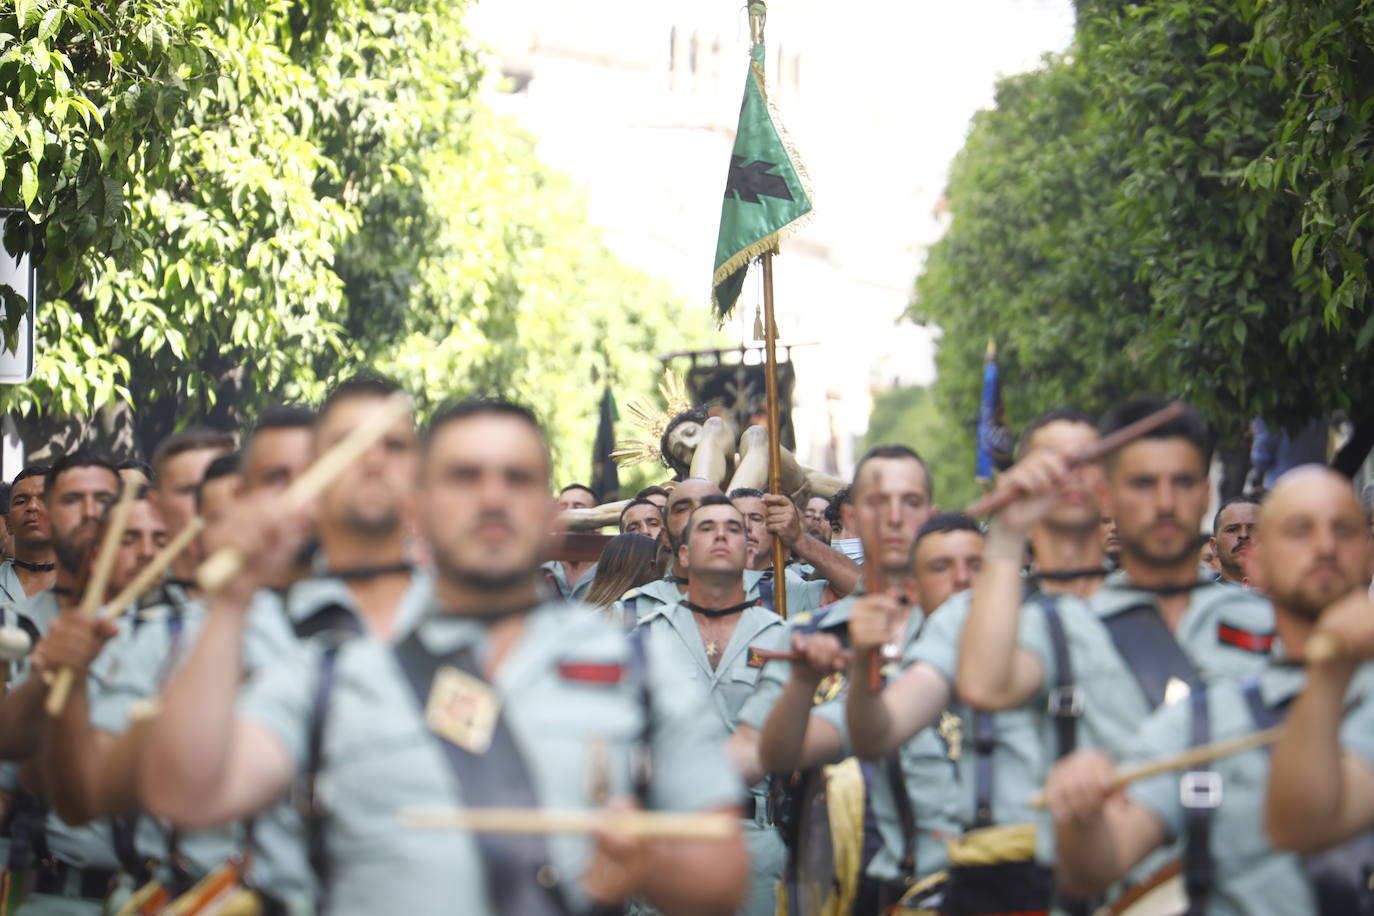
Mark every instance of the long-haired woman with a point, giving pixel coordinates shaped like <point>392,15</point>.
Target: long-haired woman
<point>628,561</point>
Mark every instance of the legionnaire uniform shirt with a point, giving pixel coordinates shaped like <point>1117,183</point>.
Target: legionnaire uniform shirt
<point>1018,759</point>
<point>802,595</point>
<point>1249,876</point>
<point>928,773</point>
<point>729,685</point>
<point>556,693</point>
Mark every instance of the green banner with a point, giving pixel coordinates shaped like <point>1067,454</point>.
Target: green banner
<point>764,192</point>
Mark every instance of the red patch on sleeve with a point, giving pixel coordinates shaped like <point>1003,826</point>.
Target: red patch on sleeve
<point>1244,639</point>
<point>755,660</point>
<point>591,672</point>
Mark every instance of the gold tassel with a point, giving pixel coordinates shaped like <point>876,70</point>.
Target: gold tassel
<point>758,324</point>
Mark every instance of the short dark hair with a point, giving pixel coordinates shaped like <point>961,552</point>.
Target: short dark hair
<point>1192,425</point>
<point>32,470</point>
<point>359,386</point>
<point>4,498</point>
<point>468,408</point>
<point>637,501</point>
<point>832,511</point>
<point>680,469</point>
<point>223,466</point>
<point>944,523</point>
<point>1053,415</point>
<point>895,450</point>
<point>81,458</point>
<point>651,491</point>
<point>580,486</point>
<point>1228,503</point>
<point>285,416</point>
<point>195,439</point>
<point>745,493</point>
<point>715,499</point>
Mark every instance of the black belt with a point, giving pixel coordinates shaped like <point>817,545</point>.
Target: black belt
<point>92,883</point>
<point>749,809</point>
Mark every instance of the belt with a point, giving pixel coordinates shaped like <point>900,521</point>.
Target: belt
<point>62,880</point>
<point>751,810</point>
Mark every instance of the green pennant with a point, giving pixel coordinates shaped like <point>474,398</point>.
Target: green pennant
<point>764,192</point>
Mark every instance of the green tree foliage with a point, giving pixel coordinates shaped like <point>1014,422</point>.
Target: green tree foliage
<point>236,203</point>
<point>915,416</point>
<point>1180,203</point>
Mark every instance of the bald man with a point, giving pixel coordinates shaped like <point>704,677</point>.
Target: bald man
<point>1312,547</point>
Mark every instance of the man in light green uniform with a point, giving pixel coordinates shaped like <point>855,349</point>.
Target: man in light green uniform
<point>714,631</point>
<point>1312,547</point>
<point>496,696</point>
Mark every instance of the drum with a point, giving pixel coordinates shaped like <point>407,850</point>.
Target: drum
<point>992,870</point>
<point>220,893</point>
<point>828,857</point>
<point>1161,894</point>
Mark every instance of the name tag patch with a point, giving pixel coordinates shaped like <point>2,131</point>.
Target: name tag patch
<point>1244,639</point>
<point>591,672</point>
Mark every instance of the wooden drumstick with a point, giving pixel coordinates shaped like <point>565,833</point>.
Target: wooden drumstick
<point>773,655</point>
<point>1195,756</point>
<point>95,590</point>
<point>226,562</point>
<point>151,573</point>
<point>998,500</point>
<point>649,825</point>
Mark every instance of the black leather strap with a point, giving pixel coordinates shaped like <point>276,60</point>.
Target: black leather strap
<point>906,814</point>
<point>123,832</point>
<point>984,744</point>
<point>313,813</point>
<point>1197,819</point>
<point>1150,650</point>
<point>500,777</point>
<point>1066,699</point>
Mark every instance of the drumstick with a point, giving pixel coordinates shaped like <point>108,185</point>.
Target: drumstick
<point>95,589</point>
<point>998,500</point>
<point>1203,753</point>
<point>151,573</point>
<point>773,655</point>
<point>649,825</point>
<point>225,563</point>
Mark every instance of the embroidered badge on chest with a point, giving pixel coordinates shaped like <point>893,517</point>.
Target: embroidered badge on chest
<point>462,709</point>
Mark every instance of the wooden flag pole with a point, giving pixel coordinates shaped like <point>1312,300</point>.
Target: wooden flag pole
<point>653,825</point>
<point>770,350</point>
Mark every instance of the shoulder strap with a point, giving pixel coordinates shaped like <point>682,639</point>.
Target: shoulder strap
<point>499,777</point>
<point>313,814</point>
<point>984,743</point>
<point>1066,697</point>
<point>1151,652</point>
<point>906,814</point>
<point>766,592</point>
<point>1200,793</point>
<point>1265,716</point>
<point>641,762</point>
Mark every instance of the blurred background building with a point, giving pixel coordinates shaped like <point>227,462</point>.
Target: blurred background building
<point>638,103</point>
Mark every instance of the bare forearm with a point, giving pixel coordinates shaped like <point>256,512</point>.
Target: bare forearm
<point>780,745</point>
<point>1306,796</point>
<point>1087,861</point>
<point>22,720</point>
<point>71,757</point>
<point>707,877</point>
<point>184,762</point>
<point>986,650</point>
<point>840,571</point>
<point>866,711</point>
